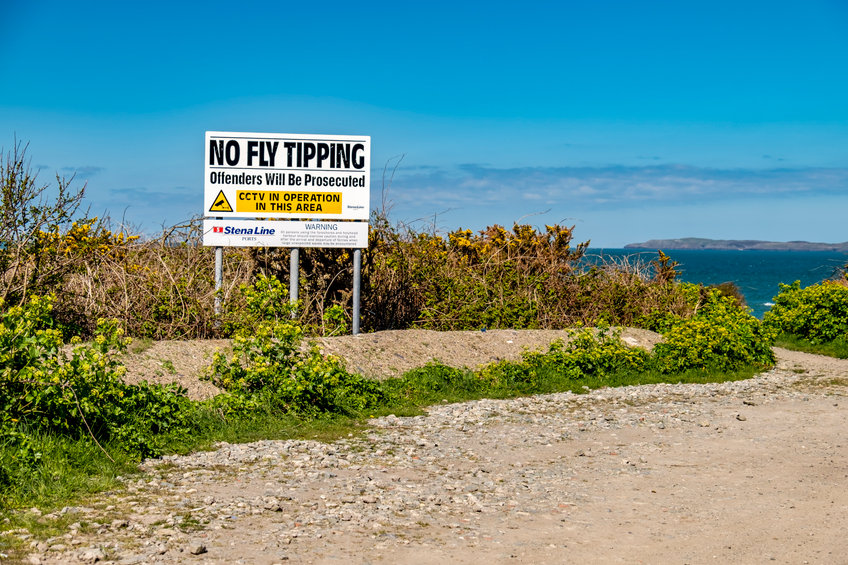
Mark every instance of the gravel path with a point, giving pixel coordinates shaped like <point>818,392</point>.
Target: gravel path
<point>745,472</point>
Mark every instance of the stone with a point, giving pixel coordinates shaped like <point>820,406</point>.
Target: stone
<point>196,548</point>
<point>92,555</point>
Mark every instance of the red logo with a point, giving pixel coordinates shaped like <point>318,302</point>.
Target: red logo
<point>217,229</point>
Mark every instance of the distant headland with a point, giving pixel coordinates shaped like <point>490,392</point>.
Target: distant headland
<point>694,243</point>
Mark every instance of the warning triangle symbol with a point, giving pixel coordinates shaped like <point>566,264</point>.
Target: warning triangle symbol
<point>221,204</point>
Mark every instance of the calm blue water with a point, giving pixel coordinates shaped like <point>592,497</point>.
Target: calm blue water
<point>756,273</point>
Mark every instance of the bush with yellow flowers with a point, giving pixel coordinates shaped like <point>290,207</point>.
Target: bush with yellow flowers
<point>818,313</point>
<point>87,240</point>
<point>721,336</point>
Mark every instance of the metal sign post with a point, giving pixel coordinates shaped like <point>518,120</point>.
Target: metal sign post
<point>219,278</point>
<point>357,284</point>
<point>294,276</point>
<point>219,281</point>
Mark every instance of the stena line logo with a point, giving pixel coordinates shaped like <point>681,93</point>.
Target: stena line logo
<point>230,230</point>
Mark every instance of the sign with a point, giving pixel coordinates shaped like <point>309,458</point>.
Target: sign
<point>277,175</point>
<point>258,202</point>
<point>221,203</point>
<point>290,233</point>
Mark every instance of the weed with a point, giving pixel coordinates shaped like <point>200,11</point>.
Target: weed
<point>188,523</point>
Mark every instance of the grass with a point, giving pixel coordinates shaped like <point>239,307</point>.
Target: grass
<point>189,523</point>
<point>837,348</point>
<point>436,383</point>
<point>835,382</point>
<point>68,471</point>
<point>71,472</point>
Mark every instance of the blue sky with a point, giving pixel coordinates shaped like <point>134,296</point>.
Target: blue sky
<point>630,120</point>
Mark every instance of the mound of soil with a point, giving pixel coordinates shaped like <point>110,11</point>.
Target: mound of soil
<point>377,355</point>
<point>391,353</point>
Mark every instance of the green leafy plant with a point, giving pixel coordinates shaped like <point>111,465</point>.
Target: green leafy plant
<point>46,389</point>
<point>720,336</point>
<point>264,300</point>
<point>591,352</point>
<point>588,353</point>
<point>335,321</point>
<point>817,313</point>
<point>270,367</point>
<point>54,402</point>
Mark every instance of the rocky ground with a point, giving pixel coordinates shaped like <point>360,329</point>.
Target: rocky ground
<point>745,472</point>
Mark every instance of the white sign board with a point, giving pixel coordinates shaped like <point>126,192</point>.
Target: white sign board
<point>279,175</point>
<point>290,233</point>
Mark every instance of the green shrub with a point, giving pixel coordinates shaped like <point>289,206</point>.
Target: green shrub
<point>335,321</point>
<point>266,300</point>
<point>590,353</point>
<point>52,396</point>
<point>515,377</point>
<point>587,354</point>
<point>269,367</point>
<point>818,313</point>
<point>721,336</point>
<point>46,389</point>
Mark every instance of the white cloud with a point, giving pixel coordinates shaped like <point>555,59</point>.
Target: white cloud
<point>609,186</point>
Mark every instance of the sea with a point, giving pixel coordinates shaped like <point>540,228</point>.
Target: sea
<point>758,274</point>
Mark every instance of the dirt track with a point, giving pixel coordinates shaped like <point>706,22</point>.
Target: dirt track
<point>747,472</point>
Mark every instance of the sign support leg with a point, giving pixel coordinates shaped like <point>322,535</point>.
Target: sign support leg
<point>219,279</point>
<point>294,276</point>
<point>357,285</point>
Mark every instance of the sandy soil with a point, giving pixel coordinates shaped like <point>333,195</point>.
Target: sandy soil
<point>392,353</point>
<point>180,362</point>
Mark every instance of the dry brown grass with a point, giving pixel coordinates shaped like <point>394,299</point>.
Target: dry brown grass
<point>163,287</point>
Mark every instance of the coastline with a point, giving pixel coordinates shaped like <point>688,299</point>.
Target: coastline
<point>697,243</point>
<point>757,273</point>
